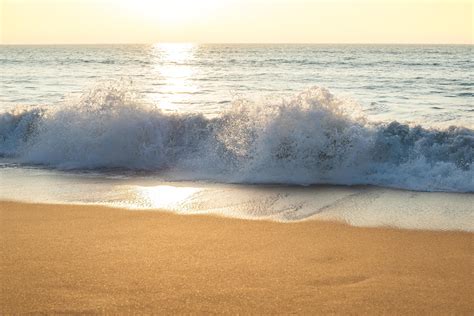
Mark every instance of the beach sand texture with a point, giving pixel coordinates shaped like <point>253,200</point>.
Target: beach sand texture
<point>91,259</point>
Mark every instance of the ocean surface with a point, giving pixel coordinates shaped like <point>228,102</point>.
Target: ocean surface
<point>388,116</point>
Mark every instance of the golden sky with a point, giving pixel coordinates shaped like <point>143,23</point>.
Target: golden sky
<point>239,21</point>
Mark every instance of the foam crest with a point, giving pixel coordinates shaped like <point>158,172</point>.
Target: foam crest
<point>312,138</point>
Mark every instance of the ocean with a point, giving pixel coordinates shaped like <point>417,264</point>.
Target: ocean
<point>230,119</point>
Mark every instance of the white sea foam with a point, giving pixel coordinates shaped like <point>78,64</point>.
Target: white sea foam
<point>312,138</point>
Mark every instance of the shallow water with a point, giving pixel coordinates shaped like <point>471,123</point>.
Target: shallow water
<point>364,206</point>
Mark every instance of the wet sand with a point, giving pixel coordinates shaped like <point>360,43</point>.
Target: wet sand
<point>64,258</point>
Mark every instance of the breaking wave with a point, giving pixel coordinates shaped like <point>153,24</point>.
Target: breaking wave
<point>312,138</point>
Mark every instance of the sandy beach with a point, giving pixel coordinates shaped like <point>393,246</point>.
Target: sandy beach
<point>91,259</point>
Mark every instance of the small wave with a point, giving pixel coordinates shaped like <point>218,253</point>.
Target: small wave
<point>312,138</point>
<point>465,94</point>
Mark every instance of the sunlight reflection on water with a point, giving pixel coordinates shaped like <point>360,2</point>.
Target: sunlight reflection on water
<point>164,196</point>
<point>172,63</point>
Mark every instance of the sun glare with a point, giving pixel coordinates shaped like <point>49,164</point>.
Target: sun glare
<point>173,66</point>
<point>165,196</point>
<point>172,11</point>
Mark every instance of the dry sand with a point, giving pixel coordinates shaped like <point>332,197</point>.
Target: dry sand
<point>63,258</point>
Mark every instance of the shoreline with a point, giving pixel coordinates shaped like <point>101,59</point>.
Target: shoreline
<point>362,206</point>
<point>64,258</point>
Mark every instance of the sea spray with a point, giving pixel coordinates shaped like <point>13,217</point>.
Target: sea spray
<point>312,138</point>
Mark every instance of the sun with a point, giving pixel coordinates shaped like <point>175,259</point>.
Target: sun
<point>167,12</point>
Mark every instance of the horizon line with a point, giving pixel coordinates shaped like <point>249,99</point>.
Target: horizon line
<point>232,43</point>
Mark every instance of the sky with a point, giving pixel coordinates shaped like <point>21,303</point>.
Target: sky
<point>236,21</point>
